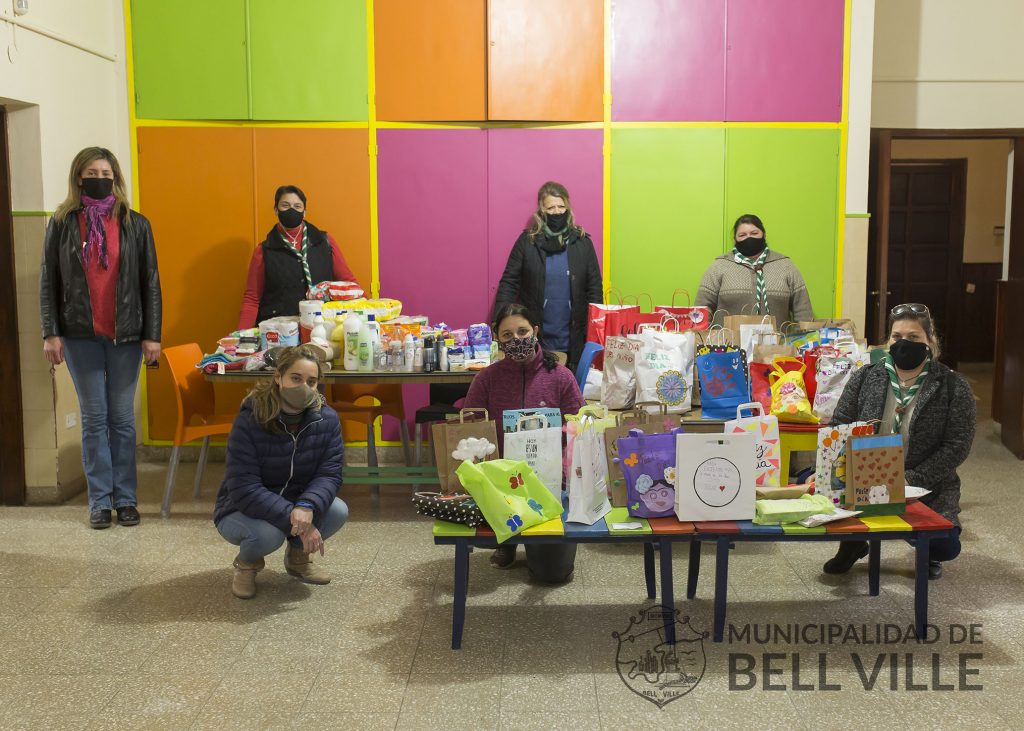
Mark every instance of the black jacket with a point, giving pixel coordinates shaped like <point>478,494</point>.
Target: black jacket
<point>284,281</point>
<point>523,282</point>
<point>941,428</point>
<point>64,305</point>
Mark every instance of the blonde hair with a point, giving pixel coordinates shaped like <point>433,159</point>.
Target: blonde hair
<point>558,191</point>
<point>82,160</point>
<point>265,398</point>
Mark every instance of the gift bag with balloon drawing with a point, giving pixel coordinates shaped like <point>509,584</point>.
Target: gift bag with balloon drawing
<point>509,494</point>
<point>830,462</point>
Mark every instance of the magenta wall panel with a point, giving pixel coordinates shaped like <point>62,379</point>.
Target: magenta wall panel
<point>519,161</point>
<point>668,60</point>
<point>784,60</point>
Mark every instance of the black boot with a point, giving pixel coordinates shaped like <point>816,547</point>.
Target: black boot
<point>849,553</point>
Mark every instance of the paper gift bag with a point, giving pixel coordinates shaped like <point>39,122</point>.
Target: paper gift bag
<point>619,323</point>
<point>846,325</point>
<point>648,464</point>
<point>760,385</point>
<point>540,446</point>
<point>690,318</point>
<point>618,381</point>
<point>832,372</point>
<point>509,495</point>
<point>588,476</point>
<point>474,432</point>
<point>664,364</point>
<point>597,320</point>
<point>510,417</point>
<point>830,467</point>
<point>594,415</point>
<point>638,418</point>
<point>875,480</point>
<point>789,396</point>
<point>715,477</point>
<point>734,324</point>
<point>722,372</point>
<point>767,450</point>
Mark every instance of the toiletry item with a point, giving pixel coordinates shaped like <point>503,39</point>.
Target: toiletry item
<point>408,353</point>
<point>352,327</point>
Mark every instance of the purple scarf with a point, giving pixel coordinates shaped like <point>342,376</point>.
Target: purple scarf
<point>96,236</point>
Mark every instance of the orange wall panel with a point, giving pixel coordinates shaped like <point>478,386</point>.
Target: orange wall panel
<point>196,188</point>
<point>545,60</point>
<point>430,59</point>
<point>332,167</point>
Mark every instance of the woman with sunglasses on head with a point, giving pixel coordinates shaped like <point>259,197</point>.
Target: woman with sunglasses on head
<point>526,378</point>
<point>931,406</point>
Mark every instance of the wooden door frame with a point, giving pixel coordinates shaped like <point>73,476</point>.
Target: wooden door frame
<point>12,445</point>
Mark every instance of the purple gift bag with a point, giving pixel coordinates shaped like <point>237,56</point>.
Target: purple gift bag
<point>648,463</point>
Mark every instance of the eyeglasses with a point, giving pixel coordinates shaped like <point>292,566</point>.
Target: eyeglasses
<point>915,307</point>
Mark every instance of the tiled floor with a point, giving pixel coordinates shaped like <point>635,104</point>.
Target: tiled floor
<point>134,628</point>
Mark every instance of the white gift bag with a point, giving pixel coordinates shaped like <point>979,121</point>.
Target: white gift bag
<point>588,477</point>
<point>715,477</point>
<point>767,449</point>
<point>664,370</point>
<point>762,333</point>
<point>540,447</point>
<point>832,372</point>
<point>618,381</point>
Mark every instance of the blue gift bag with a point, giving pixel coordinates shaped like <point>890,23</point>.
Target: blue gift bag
<point>724,383</point>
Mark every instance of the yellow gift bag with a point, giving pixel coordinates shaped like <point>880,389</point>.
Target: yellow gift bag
<point>789,396</point>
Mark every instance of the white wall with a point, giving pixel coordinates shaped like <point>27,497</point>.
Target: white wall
<point>948,64</point>
<point>63,84</point>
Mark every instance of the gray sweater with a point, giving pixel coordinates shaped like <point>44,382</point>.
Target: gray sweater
<point>941,428</point>
<point>732,287</point>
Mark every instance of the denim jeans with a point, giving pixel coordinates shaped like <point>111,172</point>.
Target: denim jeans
<point>257,538</point>
<point>105,377</point>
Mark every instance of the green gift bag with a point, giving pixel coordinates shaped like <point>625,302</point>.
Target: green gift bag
<point>509,494</point>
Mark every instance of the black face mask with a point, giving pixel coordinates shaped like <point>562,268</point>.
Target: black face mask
<point>557,221</point>
<point>908,354</point>
<point>97,188</point>
<point>750,247</point>
<point>290,218</point>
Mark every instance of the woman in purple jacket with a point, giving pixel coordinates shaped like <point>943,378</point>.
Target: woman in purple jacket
<point>527,378</point>
<point>283,471</point>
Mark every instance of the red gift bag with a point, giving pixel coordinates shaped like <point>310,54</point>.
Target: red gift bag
<point>627,322</point>
<point>760,388</point>
<point>690,318</point>
<point>598,319</point>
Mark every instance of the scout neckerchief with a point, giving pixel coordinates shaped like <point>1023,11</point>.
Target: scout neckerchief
<point>758,266</point>
<point>301,252</point>
<point>903,397</point>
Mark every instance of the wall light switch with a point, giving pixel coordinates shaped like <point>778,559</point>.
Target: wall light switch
<point>971,288</point>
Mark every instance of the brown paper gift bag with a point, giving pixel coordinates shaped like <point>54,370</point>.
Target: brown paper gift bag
<point>844,324</point>
<point>469,424</point>
<point>637,418</point>
<point>874,475</point>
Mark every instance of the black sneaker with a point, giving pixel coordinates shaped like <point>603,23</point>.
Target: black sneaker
<point>934,570</point>
<point>848,554</point>
<point>503,557</point>
<point>99,519</point>
<point>128,515</point>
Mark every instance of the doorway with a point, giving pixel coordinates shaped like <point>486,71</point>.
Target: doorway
<point>12,445</point>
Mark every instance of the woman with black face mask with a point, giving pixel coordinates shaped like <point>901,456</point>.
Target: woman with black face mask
<point>911,393</point>
<point>753,279</point>
<point>294,256</point>
<point>553,271</point>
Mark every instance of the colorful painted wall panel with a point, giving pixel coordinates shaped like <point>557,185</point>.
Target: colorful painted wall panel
<point>668,60</point>
<point>203,227</point>
<point>426,70</point>
<point>332,168</point>
<point>545,60</point>
<point>190,59</point>
<point>789,178</point>
<point>785,60</point>
<point>519,161</point>
<point>667,208</point>
<point>308,59</point>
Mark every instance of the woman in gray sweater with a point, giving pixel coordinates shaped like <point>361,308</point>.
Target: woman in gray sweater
<point>753,279</point>
<point>911,393</point>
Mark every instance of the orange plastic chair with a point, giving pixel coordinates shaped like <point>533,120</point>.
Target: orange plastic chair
<point>356,403</point>
<point>197,418</point>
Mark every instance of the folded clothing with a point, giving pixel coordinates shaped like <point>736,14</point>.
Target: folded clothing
<point>779,512</point>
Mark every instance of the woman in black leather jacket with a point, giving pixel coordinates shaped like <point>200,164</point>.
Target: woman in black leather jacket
<point>100,306</point>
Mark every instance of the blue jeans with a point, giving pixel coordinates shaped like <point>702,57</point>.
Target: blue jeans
<point>257,538</point>
<point>105,377</point>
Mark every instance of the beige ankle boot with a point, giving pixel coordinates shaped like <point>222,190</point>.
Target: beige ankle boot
<point>243,585</point>
<point>300,565</point>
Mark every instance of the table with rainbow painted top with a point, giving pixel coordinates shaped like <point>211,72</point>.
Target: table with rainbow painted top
<point>919,522</point>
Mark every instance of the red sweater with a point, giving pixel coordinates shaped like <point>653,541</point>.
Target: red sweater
<point>254,283</point>
<point>103,282</point>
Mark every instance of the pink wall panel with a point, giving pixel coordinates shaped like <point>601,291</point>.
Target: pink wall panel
<point>784,60</point>
<point>519,161</point>
<point>668,60</point>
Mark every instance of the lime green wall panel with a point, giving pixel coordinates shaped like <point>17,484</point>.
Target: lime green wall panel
<point>190,59</point>
<point>667,208</point>
<point>308,60</point>
<point>790,178</point>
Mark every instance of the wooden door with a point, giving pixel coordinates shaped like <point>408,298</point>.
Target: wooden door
<point>926,241</point>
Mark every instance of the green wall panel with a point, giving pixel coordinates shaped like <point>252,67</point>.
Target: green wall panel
<point>790,178</point>
<point>667,208</point>
<point>190,59</point>
<point>308,60</point>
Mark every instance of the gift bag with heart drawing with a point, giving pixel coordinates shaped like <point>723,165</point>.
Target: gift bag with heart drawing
<point>715,477</point>
<point>875,481</point>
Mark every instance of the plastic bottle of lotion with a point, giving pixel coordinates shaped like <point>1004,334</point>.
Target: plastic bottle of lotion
<point>408,352</point>
<point>365,348</point>
<point>318,334</point>
<point>352,327</point>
